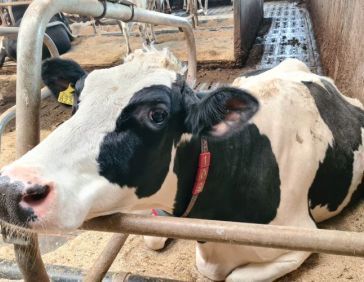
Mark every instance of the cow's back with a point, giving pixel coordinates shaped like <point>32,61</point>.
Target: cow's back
<point>316,136</point>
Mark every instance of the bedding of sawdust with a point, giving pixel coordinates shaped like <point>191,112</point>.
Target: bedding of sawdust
<point>214,41</point>
<point>178,260</point>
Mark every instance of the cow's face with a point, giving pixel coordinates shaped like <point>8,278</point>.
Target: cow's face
<point>116,153</point>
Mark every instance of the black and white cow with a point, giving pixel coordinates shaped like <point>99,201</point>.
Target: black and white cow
<point>58,33</point>
<point>286,146</point>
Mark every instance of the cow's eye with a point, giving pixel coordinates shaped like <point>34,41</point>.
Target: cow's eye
<point>158,116</point>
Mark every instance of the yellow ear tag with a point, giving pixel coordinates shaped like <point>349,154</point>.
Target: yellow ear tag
<point>66,96</point>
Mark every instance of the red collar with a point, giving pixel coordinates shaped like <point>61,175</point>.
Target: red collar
<point>201,176</point>
<point>200,179</point>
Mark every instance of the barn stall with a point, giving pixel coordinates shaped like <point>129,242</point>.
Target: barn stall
<point>250,36</point>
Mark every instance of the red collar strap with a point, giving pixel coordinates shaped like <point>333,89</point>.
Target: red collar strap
<point>201,176</point>
<point>200,179</point>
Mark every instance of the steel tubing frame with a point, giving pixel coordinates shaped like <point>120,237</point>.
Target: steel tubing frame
<point>272,236</point>
<point>9,114</point>
<point>106,258</point>
<point>12,32</point>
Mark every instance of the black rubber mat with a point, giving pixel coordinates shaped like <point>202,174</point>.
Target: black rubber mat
<point>290,36</point>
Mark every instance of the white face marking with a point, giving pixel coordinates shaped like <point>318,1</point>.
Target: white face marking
<point>68,155</point>
<point>185,138</point>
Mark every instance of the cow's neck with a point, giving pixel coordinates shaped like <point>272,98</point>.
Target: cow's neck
<point>243,181</point>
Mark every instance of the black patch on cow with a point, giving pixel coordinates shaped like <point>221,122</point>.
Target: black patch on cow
<point>10,209</point>
<point>243,183</point>
<point>334,176</point>
<point>135,155</point>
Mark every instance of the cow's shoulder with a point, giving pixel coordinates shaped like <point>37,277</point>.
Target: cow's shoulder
<point>243,181</point>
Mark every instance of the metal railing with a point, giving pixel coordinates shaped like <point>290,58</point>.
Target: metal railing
<point>9,114</point>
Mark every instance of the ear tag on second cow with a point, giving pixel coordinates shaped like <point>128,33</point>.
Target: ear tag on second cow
<point>66,96</point>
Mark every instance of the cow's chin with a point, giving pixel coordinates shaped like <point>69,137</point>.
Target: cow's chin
<point>60,218</point>
<point>48,225</point>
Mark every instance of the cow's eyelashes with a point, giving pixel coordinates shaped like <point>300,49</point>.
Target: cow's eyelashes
<point>158,116</point>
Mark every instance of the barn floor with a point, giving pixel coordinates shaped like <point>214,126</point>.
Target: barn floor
<point>80,249</point>
<point>214,38</point>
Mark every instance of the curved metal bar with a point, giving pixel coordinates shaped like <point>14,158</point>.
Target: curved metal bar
<point>5,118</point>
<point>56,23</point>
<point>12,32</point>
<point>9,114</point>
<point>49,43</point>
<point>29,53</point>
<point>20,3</point>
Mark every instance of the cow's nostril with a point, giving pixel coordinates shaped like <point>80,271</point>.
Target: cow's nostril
<point>36,194</point>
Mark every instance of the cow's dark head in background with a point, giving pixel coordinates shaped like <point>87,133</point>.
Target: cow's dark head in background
<point>62,75</point>
<point>117,153</point>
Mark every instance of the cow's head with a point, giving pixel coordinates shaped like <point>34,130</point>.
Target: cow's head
<point>116,153</point>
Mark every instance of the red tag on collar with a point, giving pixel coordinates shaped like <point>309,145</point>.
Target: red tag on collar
<point>201,176</point>
<point>154,212</point>
<point>202,172</point>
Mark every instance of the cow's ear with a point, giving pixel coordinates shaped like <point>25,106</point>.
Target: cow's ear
<point>222,112</point>
<point>59,73</point>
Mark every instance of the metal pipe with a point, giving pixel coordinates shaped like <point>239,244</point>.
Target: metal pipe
<point>34,22</point>
<point>9,31</point>
<point>51,46</point>
<point>272,236</point>
<point>30,261</point>
<point>106,258</point>
<point>12,32</point>
<point>20,3</point>
<point>9,270</point>
<point>9,114</point>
